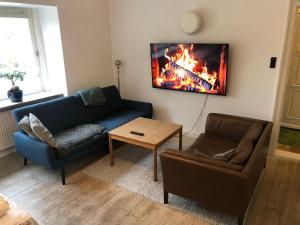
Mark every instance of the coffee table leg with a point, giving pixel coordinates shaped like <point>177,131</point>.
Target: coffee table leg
<point>155,163</point>
<point>112,163</point>
<point>180,139</point>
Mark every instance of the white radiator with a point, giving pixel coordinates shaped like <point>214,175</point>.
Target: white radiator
<point>7,128</point>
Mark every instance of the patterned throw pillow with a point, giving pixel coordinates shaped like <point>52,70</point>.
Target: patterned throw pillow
<point>41,131</point>
<point>24,124</point>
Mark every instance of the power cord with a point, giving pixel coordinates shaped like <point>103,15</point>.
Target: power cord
<point>199,116</point>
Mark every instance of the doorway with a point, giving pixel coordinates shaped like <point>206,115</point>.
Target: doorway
<point>289,126</point>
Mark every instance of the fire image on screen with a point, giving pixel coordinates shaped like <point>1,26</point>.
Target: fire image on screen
<point>198,68</point>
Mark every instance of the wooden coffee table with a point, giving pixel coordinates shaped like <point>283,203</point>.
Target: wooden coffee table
<point>155,134</point>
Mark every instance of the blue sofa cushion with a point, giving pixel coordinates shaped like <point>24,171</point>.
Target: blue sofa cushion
<point>57,115</point>
<point>113,104</point>
<point>138,106</point>
<point>120,118</point>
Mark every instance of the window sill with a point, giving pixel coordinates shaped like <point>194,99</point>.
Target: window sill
<point>6,105</point>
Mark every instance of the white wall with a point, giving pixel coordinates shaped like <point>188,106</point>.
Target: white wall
<point>96,31</point>
<point>86,43</point>
<point>255,30</point>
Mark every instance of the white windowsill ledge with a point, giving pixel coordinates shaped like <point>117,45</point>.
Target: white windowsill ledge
<point>6,105</point>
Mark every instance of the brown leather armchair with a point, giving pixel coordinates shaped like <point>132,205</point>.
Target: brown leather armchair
<point>225,184</point>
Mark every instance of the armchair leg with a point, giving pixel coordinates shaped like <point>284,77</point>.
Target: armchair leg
<point>240,220</point>
<point>166,197</point>
<point>25,161</point>
<point>63,176</point>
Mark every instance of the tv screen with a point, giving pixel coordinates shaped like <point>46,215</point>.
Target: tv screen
<point>200,68</point>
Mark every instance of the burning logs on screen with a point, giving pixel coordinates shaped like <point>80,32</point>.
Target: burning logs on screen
<point>183,69</point>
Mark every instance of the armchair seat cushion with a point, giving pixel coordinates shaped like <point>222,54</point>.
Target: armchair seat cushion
<point>120,118</point>
<point>210,145</point>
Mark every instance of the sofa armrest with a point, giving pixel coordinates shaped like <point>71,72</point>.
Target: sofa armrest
<point>140,106</point>
<point>34,150</point>
<point>209,184</point>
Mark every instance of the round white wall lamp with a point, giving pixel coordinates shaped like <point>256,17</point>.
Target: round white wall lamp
<point>191,23</point>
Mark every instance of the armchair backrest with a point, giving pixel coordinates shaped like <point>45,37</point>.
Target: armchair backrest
<point>228,126</point>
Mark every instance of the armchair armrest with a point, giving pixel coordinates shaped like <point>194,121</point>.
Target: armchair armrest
<point>204,180</point>
<point>34,150</point>
<point>140,106</point>
<point>257,161</point>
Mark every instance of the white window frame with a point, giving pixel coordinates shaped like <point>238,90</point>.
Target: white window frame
<point>37,41</point>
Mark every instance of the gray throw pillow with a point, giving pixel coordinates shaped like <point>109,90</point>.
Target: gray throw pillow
<point>224,156</point>
<point>41,131</point>
<point>24,124</point>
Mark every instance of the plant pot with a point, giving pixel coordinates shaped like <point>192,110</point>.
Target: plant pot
<point>15,96</point>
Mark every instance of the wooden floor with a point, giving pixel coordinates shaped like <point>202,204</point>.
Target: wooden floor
<point>288,148</point>
<point>86,200</point>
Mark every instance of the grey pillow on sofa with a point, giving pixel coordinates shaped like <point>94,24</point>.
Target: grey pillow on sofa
<point>41,131</point>
<point>24,124</point>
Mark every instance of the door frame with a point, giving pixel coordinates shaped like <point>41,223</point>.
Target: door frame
<point>284,75</point>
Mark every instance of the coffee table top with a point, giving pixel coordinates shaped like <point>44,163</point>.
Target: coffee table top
<point>155,131</point>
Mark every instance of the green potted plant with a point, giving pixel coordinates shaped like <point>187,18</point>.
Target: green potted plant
<point>14,75</point>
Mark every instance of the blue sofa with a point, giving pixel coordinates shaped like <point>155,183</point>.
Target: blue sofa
<point>67,112</point>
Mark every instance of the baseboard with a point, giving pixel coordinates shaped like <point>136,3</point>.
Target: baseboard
<point>189,135</point>
<point>290,126</point>
<point>7,151</point>
<point>289,155</point>
<point>192,135</point>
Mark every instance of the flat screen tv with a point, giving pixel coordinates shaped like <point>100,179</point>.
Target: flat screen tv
<point>200,68</point>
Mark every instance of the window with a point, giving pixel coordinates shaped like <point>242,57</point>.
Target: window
<point>19,51</point>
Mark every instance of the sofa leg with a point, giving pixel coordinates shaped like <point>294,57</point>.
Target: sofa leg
<point>166,197</point>
<point>63,176</point>
<point>25,161</point>
<point>240,220</point>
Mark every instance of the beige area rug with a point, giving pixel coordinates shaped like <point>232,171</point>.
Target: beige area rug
<point>133,171</point>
